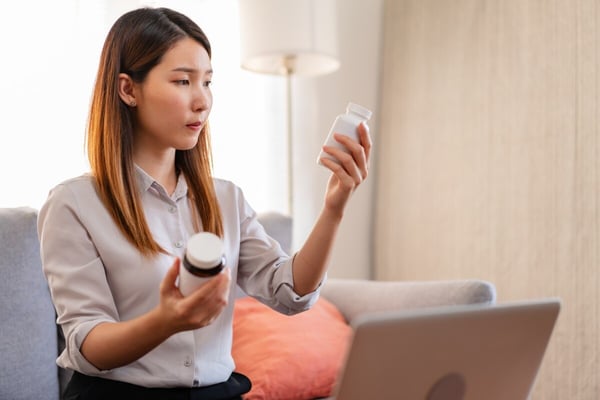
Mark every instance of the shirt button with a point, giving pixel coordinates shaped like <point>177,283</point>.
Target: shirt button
<point>172,209</point>
<point>187,362</point>
<point>179,244</point>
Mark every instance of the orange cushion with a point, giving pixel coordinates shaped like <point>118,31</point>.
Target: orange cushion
<point>289,357</point>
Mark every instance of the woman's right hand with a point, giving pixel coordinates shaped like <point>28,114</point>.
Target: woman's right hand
<point>114,344</point>
<point>197,310</point>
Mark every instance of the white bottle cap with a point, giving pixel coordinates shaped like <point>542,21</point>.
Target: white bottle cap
<point>205,250</point>
<point>359,110</point>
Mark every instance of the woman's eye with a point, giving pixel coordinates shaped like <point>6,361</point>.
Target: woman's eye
<point>183,82</point>
<point>207,83</point>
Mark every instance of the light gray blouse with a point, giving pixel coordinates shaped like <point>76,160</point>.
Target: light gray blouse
<point>96,275</point>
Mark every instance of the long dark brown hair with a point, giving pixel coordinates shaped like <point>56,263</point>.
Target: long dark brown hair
<point>135,44</point>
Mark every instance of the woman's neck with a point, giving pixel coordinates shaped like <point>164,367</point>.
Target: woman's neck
<point>161,167</point>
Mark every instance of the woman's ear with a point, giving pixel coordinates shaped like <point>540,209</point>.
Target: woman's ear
<point>126,90</point>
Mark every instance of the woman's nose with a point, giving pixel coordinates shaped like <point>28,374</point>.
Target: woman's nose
<point>201,100</point>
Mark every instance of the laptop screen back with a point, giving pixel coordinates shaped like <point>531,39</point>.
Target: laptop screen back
<point>490,352</point>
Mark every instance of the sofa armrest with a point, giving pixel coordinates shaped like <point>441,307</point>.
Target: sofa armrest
<point>356,296</point>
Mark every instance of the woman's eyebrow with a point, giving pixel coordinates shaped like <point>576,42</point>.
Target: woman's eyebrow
<point>190,70</point>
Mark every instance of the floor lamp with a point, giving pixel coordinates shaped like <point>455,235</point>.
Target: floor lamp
<point>288,37</point>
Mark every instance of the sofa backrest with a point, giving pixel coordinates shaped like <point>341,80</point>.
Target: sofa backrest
<point>29,344</point>
<point>28,339</point>
<point>279,227</point>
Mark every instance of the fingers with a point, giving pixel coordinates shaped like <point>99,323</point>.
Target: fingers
<point>358,160</point>
<point>198,309</point>
<point>215,287</point>
<point>365,139</point>
<point>354,161</point>
<point>168,282</point>
<point>345,169</point>
<point>206,303</point>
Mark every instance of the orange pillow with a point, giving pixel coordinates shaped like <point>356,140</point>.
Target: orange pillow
<point>289,357</point>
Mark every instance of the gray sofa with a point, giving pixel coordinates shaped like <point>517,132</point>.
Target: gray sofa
<point>30,341</point>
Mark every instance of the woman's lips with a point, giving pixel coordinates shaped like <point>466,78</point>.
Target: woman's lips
<point>195,125</point>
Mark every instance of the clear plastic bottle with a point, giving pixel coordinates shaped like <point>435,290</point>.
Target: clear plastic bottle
<point>345,124</point>
<point>204,258</point>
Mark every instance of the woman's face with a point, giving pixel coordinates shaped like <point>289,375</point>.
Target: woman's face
<point>175,99</point>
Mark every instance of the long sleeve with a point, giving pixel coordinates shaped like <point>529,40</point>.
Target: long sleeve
<point>265,270</point>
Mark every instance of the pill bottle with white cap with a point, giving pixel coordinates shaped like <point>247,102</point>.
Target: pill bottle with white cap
<point>346,124</point>
<point>204,258</point>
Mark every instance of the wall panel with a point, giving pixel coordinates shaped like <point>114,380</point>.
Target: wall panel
<point>488,161</point>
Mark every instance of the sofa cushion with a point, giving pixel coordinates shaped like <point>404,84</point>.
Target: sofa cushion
<point>28,343</point>
<point>289,357</point>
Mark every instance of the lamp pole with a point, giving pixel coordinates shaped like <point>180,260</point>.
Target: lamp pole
<point>288,66</point>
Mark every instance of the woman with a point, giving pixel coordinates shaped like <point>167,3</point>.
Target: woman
<point>111,240</point>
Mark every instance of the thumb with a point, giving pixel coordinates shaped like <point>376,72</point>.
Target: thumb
<point>168,281</point>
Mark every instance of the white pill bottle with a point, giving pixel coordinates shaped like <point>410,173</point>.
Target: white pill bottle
<point>346,124</point>
<point>204,258</point>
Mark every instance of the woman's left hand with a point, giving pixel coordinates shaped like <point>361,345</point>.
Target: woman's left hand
<point>350,171</point>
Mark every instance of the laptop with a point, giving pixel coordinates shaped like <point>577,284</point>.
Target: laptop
<point>471,352</point>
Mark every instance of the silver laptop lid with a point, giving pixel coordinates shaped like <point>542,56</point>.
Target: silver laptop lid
<point>472,352</point>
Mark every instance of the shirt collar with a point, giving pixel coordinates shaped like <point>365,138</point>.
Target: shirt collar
<point>147,183</point>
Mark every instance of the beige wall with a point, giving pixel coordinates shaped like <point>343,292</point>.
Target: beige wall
<point>489,161</point>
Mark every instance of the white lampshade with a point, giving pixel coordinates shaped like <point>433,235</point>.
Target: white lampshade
<point>288,36</point>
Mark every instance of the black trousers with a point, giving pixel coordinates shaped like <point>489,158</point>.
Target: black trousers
<point>84,387</point>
